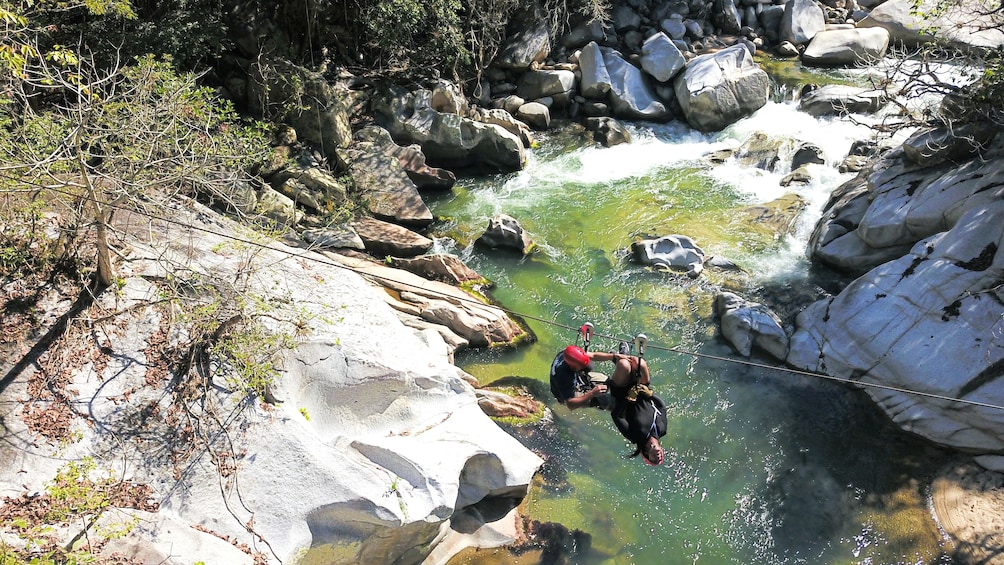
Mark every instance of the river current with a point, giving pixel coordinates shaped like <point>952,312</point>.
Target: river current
<point>763,466</point>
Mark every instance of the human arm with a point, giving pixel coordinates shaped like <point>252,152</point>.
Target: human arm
<point>576,402</point>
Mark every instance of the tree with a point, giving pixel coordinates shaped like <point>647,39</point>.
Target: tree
<point>946,81</point>
<point>132,135</point>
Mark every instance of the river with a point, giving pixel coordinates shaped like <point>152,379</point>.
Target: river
<point>763,466</point>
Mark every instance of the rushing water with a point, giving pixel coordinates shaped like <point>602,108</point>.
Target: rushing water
<point>762,466</point>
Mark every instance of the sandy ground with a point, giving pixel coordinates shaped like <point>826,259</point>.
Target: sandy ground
<point>969,505</point>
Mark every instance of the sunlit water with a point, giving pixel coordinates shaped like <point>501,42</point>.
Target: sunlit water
<point>763,466</point>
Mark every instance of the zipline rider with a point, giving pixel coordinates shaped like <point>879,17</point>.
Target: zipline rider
<point>576,385</point>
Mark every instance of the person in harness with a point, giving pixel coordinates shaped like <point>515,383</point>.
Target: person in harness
<point>638,414</point>
<point>575,384</point>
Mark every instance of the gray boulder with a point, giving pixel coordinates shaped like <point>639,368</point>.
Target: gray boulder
<point>534,114</point>
<point>538,84</point>
<point>507,120</point>
<point>673,252</point>
<point>674,27</point>
<point>583,33</point>
<point>625,19</point>
<point>608,131</point>
<point>934,146</point>
<point>334,237</point>
<point>846,47</point>
<point>963,28</point>
<point>275,209</point>
<point>834,99</point>
<point>660,57</point>
<point>311,187</point>
<point>835,241</point>
<point>909,203</point>
<point>448,140</point>
<point>410,157</point>
<point>929,322</point>
<point>802,20</point>
<point>746,324</point>
<point>462,317</point>
<point>764,151</point>
<point>529,46</point>
<point>631,96</point>
<point>504,232</point>
<point>718,89</point>
<point>378,176</point>
<point>726,16</point>
<point>595,81</point>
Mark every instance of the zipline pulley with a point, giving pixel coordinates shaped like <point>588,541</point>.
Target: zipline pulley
<point>586,331</point>
<point>639,344</point>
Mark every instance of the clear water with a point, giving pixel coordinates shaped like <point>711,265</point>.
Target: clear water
<point>763,466</point>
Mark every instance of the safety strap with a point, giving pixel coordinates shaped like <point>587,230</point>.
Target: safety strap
<point>653,430</point>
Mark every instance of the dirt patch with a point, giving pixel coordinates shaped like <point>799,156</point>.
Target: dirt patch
<point>969,506</point>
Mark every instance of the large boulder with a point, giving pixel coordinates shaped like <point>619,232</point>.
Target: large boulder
<point>505,232</point>
<point>765,151</point>
<point>439,267</point>
<point>631,96</point>
<point>384,238</point>
<point>878,218</point>
<point>926,322</point>
<point>966,27</point>
<point>908,204</point>
<point>833,99</point>
<point>529,46</point>
<point>747,324</point>
<point>718,89</point>
<point>535,85</point>
<point>411,159</point>
<point>936,145</point>
<point>661,58</point>
<point>448,140</point>
<point>846,47</point>
<point>801,21</point>
<point>471,319</point>
<point>311,187</point>
<point>835,241</point>
<point>374,162</point>
<point>506,119</point>
<point>374,441</point>
<point>595,81</point>
<point>726,16</point>
<point>586,31</point>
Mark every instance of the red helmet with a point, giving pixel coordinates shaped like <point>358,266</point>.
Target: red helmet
<point>577,354</point>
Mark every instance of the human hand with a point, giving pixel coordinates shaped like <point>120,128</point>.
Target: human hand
<point>598,389</point>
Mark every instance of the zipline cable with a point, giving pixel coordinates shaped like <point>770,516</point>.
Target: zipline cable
<point>478,303</point>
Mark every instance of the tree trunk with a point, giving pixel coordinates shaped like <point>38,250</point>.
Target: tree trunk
<point>105,274</point>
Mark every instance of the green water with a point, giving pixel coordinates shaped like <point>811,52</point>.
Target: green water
<point>762,466</point>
